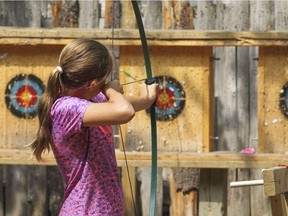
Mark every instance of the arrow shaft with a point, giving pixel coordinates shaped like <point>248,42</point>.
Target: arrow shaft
<point>135,81</point>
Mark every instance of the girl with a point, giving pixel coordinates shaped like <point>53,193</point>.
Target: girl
<point>74,113</point>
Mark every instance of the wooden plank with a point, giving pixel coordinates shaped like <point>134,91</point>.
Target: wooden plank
<point>18,132</point>
<point>261,102</point>
<point>16,199</point>
<point>2,186</point>
<point>272,77</point>
<point>275,181</point>
<point>123,37</point>
<point>36,190</point>
<point>112,17</point>
<point>183,204</point>
<point>260,20</point>
<point>55,189</point>
<point>153,14</point>
<point>260,204</point>
<point>281,8</point>
<point>190,67</point>
<point>208,107</point>
<point>165,159</point>
<point>279,205</point>
<point>144,175</point>
<point>128,17</point>
<point>213,192</point>
<point>178,15</point>
<point>89,14</point>
<point>129,184</point>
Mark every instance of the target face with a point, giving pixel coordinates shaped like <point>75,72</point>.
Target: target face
<point>283,100</point>
<point>171,98</point>
<point>22,95</point>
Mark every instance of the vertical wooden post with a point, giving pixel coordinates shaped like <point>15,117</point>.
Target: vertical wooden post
<point>129,185</point>
<point>15,193</point>
<point>232,90</point>
<point>260,20</point>
<point>276,187</point>
<point>36,190</point>
<point>279,205</point>
<point>65,13</point>
<point>128,17</point>
<point>178,14</point>
<point>184,196</point>
<point>55,189</point>
<point>2,199</point>
<point>112,14</point>
<point>89,14</point>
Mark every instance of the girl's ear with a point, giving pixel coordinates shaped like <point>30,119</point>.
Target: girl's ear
<point>92,84</point>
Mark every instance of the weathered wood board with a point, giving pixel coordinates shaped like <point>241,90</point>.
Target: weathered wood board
<point>39,60</point>
<point>273,75</point>
<point>190,66</point>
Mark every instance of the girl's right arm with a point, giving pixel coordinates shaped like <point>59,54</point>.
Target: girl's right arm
<point>117,110</point>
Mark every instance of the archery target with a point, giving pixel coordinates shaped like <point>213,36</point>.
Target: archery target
<point>22,95</point>
<point>283,100</point>
<point>170,100</point>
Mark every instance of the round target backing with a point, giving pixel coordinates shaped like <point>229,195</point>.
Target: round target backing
<point>170,100</point>
<point>22,95</point>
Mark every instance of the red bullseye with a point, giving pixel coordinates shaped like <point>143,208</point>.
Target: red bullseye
<point>170,100</point>
<point>165,99</point>
<point>26,96</point>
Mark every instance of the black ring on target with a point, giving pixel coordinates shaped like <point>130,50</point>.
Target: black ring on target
<point>22,95</point>
<point>283,100</point>
<point>170,98</point>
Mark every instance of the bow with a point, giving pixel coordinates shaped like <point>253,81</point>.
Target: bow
<point>149,81</point>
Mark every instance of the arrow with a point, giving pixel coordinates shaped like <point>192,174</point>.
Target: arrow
<point>135,81</point>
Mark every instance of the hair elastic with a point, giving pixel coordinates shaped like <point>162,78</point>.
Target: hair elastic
<point>59,69</point>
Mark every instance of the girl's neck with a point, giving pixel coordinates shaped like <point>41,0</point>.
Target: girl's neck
<point>79,92</point>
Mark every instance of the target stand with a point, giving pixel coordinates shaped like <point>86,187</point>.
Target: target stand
<point>275,182</point>
<point>184,107</point>
<point>26,70</point>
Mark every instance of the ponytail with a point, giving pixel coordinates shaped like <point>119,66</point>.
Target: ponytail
<point>82,60</point>
<point>52,91</point>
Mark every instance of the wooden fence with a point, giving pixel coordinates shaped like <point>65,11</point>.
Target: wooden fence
<point>241,73</point>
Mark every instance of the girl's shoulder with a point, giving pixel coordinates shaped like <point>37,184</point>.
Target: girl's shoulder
<point>70,101</point>
<point>67,103</point>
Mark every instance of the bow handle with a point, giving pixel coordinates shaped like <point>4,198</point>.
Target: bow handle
<point>150,81</point>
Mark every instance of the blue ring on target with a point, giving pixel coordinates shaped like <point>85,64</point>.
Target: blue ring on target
<point>171,98</point>
<point>22,95</point>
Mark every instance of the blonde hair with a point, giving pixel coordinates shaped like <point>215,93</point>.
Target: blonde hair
<point>80,61</point>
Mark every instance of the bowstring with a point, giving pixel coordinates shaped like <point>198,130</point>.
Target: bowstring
<point>119,127</point>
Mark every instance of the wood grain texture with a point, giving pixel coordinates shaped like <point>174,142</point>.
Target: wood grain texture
<point>128,37</point>
<point>191,68</point>
<point>272,76</point>
<point>18,132</point>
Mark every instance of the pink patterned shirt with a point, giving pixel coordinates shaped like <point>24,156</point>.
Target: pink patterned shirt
<point>86,160</point>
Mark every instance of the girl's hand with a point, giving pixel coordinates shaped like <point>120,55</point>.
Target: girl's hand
<point>148,93</point>
<point>114,85</point>
<point>146,97</point>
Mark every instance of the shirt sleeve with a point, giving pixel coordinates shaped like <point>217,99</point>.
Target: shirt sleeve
<point>100,98</point>
<point>67,114</point>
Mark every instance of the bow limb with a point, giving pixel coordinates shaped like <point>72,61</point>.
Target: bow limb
<point>149,80</point>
